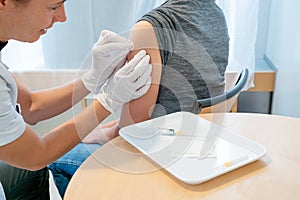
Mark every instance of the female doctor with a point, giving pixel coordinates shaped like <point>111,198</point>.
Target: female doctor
<point>24,155</point>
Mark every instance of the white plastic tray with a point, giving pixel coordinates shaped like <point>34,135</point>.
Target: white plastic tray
<point>198,151</point>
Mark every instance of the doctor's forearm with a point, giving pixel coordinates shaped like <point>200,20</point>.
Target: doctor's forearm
<point>74,130</point>
<point>32,152</point>
<point>52,102</point>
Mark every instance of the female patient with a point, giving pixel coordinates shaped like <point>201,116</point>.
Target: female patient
<point>188,43</point>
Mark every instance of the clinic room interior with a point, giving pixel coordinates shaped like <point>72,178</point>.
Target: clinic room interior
<point>264,38</point>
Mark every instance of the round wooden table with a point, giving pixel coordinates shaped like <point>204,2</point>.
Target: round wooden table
<point>119,171</point>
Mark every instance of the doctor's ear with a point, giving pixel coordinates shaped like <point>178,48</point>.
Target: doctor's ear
<point>2,3</point>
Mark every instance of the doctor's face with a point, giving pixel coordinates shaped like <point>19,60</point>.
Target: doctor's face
<point>27,21</point>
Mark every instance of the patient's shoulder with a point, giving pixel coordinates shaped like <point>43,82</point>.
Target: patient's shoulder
<point>143,36</point>
<point>143,24</point>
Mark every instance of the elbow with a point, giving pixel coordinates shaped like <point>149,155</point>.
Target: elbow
<point>31,122</point>
<point>32,115</point>
<point>30,118</point>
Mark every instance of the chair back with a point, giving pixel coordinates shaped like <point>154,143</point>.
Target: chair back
<point>234,84</point>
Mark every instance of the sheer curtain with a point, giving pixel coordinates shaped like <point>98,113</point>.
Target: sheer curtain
<point>82,30</point>
<point>242,21</point>
<point>68,44</point>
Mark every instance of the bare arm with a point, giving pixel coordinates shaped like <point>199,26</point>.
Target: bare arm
<point>31,152</point>
<point>44,104</point>
<point>102,133</point>
<point>143,37</point>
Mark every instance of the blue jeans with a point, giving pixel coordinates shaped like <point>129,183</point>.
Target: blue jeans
<point>64,168</point>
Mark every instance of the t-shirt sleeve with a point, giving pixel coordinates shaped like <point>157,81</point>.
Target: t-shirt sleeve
<point>12,124</point>
<point>165,31</point>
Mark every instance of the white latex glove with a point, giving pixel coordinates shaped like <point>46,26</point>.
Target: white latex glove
<point>130,82</point>
<point>108,54</point>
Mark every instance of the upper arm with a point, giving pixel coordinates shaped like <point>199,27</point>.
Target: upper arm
<point>26,151</point>
<point>33,152</point>
<point>144,37</point>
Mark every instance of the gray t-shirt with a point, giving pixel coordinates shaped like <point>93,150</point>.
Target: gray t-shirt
<point>194,45</point>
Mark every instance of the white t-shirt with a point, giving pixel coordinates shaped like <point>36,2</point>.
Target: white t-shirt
<point>12,124</point>
<point>2,195</point>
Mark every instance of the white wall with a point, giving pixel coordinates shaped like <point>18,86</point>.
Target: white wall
<point>283,50</point>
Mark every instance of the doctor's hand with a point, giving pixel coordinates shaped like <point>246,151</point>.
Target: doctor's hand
<point>108,54</point>
<point>103,133</point>
<point>130,82</point>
